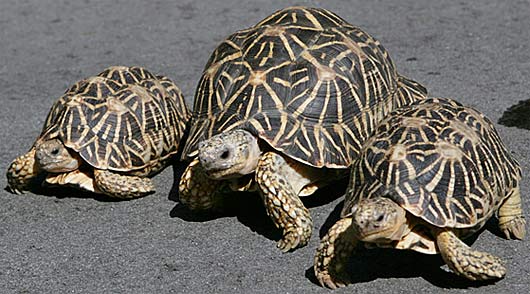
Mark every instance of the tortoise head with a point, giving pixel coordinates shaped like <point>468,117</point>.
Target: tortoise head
<point>52,156</point>
<point>229,155</point>
<point>379,220</point>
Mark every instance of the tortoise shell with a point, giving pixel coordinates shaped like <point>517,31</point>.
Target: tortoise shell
<point>439,160</point>
<point>123,119</point>
<point>305,81</point>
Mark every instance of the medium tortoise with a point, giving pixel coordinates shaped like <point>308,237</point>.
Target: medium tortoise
<point>107,134</point>
<point>432,173</point>
<point>284,107</point>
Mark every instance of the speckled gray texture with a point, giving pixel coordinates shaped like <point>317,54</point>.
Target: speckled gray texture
<point>67,241</point>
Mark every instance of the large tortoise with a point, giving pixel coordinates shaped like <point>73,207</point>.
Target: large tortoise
<point>431,174</point>
<point>107,134</point>
<point>286,105</point>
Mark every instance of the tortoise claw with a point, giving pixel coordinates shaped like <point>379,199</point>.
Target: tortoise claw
<point>326,280</point>
<point>14,190</point>
<point>515,229</point>
<point>291,240</point>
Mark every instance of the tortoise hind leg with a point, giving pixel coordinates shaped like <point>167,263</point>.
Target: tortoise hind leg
<point>333,253</point>
<point>122,186</point>
<point>472,264</point>
<point>511,219</point>
<point>282,203</point>
<point>21,172</point>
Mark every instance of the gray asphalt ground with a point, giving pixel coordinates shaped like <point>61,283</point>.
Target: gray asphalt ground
<point>59,241</point>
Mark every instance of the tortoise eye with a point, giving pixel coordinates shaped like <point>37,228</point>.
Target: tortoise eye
<point>225,154</point>
<point>380,218</point>
<point>55,151</point>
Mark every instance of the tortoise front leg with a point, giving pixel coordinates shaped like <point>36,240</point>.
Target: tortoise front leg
<point>21,172</point>
<point>282,203</point>
<point>122,186</point>
<point>472,264</point>
<point>197,191</point>
<point>511,219</point>
<point>333,253</point>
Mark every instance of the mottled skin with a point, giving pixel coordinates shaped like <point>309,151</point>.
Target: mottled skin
<point>52,157</point>
<point>383,222</point>
<point>225,158</point>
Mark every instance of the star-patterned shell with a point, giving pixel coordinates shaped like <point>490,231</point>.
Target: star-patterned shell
<point>303,80</point>
<point>440,160</point>
<point>123,119</point>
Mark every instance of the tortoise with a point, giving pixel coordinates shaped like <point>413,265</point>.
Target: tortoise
<point>432,174</point>
<point>282,108</point>
<point>107,134</point>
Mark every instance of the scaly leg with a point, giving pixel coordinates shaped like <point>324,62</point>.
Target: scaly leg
<point>197,191</point>
<point>122,186</point>
<point>511,219</point>
<point>282,203</point>
<point>21,172</point>
<point>472,264</point>
<point>333,253</point>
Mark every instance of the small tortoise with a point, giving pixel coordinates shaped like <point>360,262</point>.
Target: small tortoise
<point>107,134</point>
<point>284,107</point>
<point>431,174</point>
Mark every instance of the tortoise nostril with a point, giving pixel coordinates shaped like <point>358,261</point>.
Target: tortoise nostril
<point>225,154</point>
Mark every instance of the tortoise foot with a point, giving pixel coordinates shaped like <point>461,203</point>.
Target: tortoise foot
<point>122,186</point>
<point>197,191</point>
<point>333,253</point>
<point>21,172</point>
<point>471,264</point>
<point>515,228</point>
<point>294,238</point>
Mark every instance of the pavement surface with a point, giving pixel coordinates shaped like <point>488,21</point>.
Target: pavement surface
<point>59,241</point>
